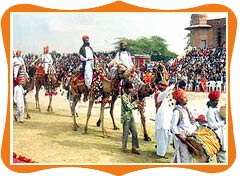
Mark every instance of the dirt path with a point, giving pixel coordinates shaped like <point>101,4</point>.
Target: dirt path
<point>48,137</point>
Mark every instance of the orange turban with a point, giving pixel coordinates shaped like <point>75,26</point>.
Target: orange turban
<point>85,37</point>
<point>163,84</point>
<point>18,52</point>
<point>214,95</point>
<point>178,94</point>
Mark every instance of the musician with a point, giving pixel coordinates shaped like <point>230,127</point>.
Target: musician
<point>217,123</point>
<point>17,63</point>
<point>164,107</point>
<point>87,57</point>
<point>182,125</point>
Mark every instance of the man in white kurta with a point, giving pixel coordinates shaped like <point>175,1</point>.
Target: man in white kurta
<point>163,118</point>
<point>182,124</point>
<point>17,63</point>
<point>18,99</point>
<point>87,56</point>
<point>217,123</point>
<point>47,61</point>
<point>123,57</point>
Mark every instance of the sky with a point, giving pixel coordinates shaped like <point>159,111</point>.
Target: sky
<point>63,31</point>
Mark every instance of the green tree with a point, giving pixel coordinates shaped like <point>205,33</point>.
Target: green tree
<point>154,46</point>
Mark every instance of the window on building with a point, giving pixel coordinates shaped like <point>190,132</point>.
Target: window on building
<point>204,44</point>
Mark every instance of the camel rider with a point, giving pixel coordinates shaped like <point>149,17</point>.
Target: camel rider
<point>123,57</point>
<point>17,63</point>
<point>87,57</point>
<point>47,61</point>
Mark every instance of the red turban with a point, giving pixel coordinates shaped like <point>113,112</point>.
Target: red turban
<point>214,95</point>
<point>17,80</point>
<point>85,37</point>
<point>178,94</point>
<point>202,118</point>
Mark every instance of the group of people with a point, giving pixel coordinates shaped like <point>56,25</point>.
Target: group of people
<point>173,119</point>
<point>20,73</point>
<point>199,66</point>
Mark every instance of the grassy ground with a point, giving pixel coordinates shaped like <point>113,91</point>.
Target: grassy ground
<point>48,137</point>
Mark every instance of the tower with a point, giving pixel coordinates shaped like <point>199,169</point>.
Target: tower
<point>199,30</point>
<point>205,33</point>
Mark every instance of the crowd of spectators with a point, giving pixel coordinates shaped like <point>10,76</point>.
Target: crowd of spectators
<point>200,65</point>
<point>194,67</point>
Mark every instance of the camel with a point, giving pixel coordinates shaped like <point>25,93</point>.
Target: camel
<point>139,93</point>
<point>78,88</point>
<point>109,90</point>
<point>50,84</point>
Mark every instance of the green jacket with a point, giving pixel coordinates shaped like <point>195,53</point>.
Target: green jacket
<point>126,108</point>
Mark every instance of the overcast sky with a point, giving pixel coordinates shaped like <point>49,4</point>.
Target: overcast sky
<point>63,31</point>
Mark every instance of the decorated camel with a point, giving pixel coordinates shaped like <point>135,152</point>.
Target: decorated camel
<point>50,84</point>
<point>107,91</point>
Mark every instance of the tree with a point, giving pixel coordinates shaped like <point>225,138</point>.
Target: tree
<point>154,46</point>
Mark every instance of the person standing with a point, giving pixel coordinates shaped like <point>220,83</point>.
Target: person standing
<point>182,125</point>
<point>127,119</point>
<point>217,123</point>
<point>18,99</point>
<point>163,117</point>
<point>87,57</point>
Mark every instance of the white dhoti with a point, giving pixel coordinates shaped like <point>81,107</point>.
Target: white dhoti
<point>163,141</point>
<point>181,153</point>
<point>19,100</point>
<point>88,73</point>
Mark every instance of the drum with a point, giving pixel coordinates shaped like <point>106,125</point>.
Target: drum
<point>223,111</point>
<point>204,144</point>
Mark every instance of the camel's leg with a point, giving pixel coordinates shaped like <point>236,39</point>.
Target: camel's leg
<point>26,108</point>
<point>114,98</point>
<point>49,109</point>
<point>75,125</point>
<point>143,120</point>
<point>90,105</point>
<point>37,99</point>
<point>104,133</point>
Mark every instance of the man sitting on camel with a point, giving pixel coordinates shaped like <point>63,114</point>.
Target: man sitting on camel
<point>123,58</point>
<point>87,57</point>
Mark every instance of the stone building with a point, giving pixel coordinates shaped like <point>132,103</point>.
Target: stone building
<point>207,33</point>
